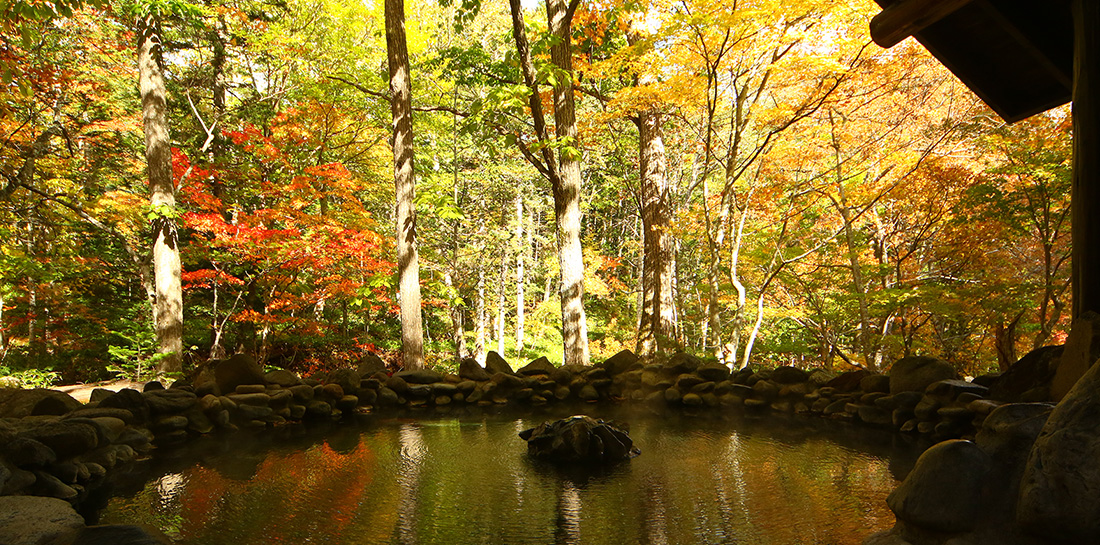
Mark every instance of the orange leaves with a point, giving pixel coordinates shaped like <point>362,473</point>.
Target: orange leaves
<point>283,225</point>
<point>206,278</point>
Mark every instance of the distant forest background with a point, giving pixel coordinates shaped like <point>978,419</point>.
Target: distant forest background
<point>817,201</point>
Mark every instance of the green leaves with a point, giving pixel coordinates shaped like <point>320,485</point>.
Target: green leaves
<point>511,98</point>
<point>465,12</point>
<point>436,199</point>
<point>163,211</point>
<point>550,74</point>
<point>164,9</point>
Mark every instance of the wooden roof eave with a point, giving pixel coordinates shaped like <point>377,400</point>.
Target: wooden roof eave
<point>1016,57</point>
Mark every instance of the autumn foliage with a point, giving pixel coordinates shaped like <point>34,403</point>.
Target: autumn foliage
<point>830,203</point>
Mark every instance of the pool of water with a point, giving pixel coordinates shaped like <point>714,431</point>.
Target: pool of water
<point>467,480</point>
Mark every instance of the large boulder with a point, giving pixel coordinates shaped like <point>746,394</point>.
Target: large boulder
<point>348,379</point>
<point>714,372</point>
<point>67,438</point>
<point>875,383</point>
<point>370,364</point>
<point>847,381</point>
<point>915,373</point>
<point>169,401</point>
<point>281,377</point>
<point>949,390</point>
<point>621,362</point>
<point>1082,350</point>
<point>541,366</point>
<point>682,362</point>
<point>470,369</point>
<point>494,363</point>
<point>26,453</point>
<point>237,370</point>
<point>820,377</point>
<point>1060,490</point>
<point>33,520</point>
<point>17,403</point>
<point>579,439</point>
<point>1028,379</point>
<point>1009,432</point>
<point>943,493</point>
<point>420,376</point>
<point>129,400</point>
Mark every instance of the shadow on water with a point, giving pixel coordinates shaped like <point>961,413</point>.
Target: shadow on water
<point>466,478</point>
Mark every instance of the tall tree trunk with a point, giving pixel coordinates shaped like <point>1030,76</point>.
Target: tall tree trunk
<point>460,334</point>
<point>646,346</point>
<point>213,156</point>
<point>479,327</point>
<point>34,345</point>
<point>458,191</point>
<point>563,171</point>
<point>1004,341</point>
<point>567,193</point>
<point>521,273</point>
<point>501,303</point>
<point>657,321</point>
<point>215,143</point>
<point>657,241</point>
<point>217,351</point>
<point>713,323</point>
<point>858,286</point>
<point>408,266</point>
<point>547,287</point>
<point>168,313</point>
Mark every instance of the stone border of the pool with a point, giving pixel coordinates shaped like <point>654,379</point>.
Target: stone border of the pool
<point>61,449</point>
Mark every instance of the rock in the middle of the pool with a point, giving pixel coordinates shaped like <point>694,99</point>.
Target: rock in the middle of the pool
<point>579,439</point>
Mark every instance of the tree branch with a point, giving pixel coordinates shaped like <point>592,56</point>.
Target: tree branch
<point>362,88</point>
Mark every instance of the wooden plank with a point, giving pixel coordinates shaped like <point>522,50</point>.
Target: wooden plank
<point>1085,195</point>
<point>905,18</point>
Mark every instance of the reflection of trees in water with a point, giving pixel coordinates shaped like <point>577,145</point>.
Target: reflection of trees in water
<point>469,481</point>
<point>653,508</point>
<point>723,485</point>
<point>729,482</point>
<point>408,481</point>
<point>567,529</point>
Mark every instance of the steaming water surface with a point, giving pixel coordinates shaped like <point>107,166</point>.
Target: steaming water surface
<point>459,480</point>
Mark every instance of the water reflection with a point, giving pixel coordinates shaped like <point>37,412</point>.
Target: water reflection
<point>468,480</point>
<point>569,514</point>
<point>408,479</point>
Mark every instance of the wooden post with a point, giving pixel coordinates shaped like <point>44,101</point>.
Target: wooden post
<point>1085,195</point>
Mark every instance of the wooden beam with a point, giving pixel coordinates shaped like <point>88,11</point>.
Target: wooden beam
<point>903,19</point>
<point>1085,194</point>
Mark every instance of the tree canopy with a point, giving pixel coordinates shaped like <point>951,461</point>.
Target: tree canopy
<point>755,181</point>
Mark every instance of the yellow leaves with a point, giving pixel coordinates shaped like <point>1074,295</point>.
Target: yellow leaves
<point>130,123</point>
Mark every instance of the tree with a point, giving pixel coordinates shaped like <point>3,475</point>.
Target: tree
<point>408,267</point>
<point>656,318</point>
<point>564,170</point>
<point>755,180</point>
<point>168,307</point>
